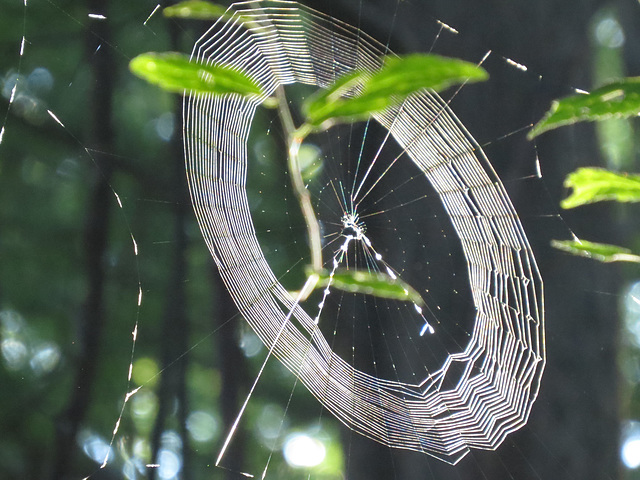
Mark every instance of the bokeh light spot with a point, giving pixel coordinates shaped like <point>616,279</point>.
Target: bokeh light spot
<point>95,447</point>
<point>145,372</point>
<point>250,344</point>
<point>169,463</point>
<point>165,126</point>
<point>630,444</point>
<point>271,422</point>
<point>301,450</point>
<point>202,426</point>
<point>14,353</point>
<point>40,80</point>
<point>631,453</point>
<point>609,33</point>
<point>45,358</point>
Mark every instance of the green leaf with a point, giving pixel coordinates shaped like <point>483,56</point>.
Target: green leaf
<point>615,100</point>
<point>602,252</point>
<point>377,284</point>
<point>195,10</point>
<point>596,184</point>
<point>358,94</point>
<point>175,72</point>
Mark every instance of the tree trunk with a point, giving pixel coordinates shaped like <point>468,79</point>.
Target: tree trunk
<point>176,325</point>
<point>232,366</point>
<point>92,318</point>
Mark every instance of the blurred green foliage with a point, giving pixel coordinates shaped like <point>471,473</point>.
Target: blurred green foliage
<point>194,10</point>
<point>46,185</point>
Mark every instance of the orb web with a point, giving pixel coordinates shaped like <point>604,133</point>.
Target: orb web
<point>480,393</point>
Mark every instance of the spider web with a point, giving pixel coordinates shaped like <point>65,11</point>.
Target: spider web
<point>481,392</point>
<point>403,216</point>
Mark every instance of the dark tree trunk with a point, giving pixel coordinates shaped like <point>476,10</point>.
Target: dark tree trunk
<point>92,316</point>
<point>232,366</point>
<point>173,385</point>
<point>175,326</point>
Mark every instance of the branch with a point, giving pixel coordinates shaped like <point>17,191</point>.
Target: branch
<point>295,137</point>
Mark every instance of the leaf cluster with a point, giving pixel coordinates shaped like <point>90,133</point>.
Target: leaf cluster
<point>356,95</point>
<point>352,97</point>
<point>597,184</point>
<point>620,99</point>
<point>615,100</point>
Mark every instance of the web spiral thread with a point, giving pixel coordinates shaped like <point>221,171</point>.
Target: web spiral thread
<point>277,43</point>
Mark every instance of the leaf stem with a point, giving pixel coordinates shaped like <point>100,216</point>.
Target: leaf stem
<point>295,137</point>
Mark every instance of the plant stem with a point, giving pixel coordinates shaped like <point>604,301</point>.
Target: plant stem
<point>295,137</point>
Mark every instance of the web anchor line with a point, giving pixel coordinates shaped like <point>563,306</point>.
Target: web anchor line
<point>233,428</point>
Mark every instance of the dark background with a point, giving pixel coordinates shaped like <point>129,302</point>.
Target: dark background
<point>69,277</point>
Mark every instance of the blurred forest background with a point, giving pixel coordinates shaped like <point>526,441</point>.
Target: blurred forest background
<point>70,277</point>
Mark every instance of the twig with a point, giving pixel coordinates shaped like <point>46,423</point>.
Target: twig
<point>295,137</point>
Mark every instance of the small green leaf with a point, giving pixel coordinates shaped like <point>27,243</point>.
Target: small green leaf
<point>377,284</point>
<point>175,72</point>
<point>601,252</point>
<point>358,94</point>
<point>597,184</point>
<point>195,10</point>
<point>615,100</point>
